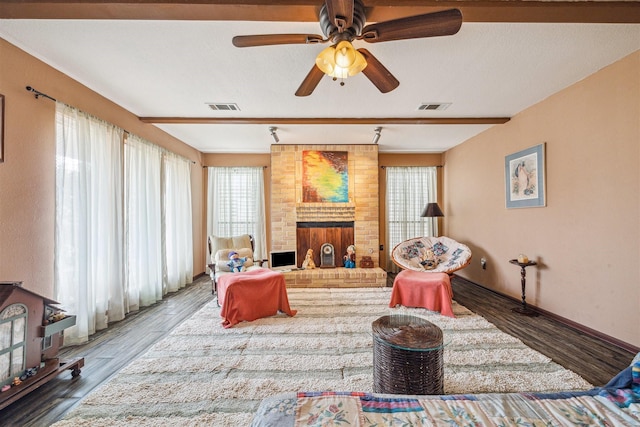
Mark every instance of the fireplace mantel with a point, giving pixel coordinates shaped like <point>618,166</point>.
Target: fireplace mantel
<point>310,212</point>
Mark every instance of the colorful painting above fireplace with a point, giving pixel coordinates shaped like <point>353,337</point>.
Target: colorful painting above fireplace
<point>325,177</point>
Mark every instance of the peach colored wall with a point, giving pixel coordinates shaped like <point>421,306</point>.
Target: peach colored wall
<point>27,176</point>
<point>587,238</point>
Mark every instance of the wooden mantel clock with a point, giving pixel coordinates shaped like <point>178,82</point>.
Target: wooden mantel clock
<point>31,334</point>
<point>327,256</point>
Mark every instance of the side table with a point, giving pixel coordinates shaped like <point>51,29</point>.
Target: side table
<point>523,274</point>
<point>407,356</point>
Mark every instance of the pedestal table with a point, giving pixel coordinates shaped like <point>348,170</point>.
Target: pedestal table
<point>523,281</point>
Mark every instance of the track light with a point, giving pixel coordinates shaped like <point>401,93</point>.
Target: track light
<point>376,136</point>
<point>273,130</point>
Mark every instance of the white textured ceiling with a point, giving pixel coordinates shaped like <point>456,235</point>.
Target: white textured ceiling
<point>174,68</point>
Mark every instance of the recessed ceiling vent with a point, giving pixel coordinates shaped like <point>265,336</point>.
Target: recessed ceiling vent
<point>219,106</point>
<point>434,106</point>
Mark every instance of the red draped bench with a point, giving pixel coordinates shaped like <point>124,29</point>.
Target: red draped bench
<point>421,289</point>
<point>252,295</point>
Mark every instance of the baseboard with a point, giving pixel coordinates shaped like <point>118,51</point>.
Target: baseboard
<point>567,322</point>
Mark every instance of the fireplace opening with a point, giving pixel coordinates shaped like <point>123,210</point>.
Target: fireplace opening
<point>312,235</point>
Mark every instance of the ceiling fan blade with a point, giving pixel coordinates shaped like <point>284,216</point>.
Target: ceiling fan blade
<point>340,13</point>
<point>273,39</point>
<point>443,23</point>
<point>310,82</point>
<point>378,74</point>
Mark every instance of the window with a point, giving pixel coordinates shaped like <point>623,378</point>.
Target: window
<point>236,204</point>
<point>124,235</point>
<point>409,189</point>
<point>13,342</point>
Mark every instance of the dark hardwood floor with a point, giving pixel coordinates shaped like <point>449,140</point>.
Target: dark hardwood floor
<point>110,350</point>
<point>592,358</point>
<point>105,354</point>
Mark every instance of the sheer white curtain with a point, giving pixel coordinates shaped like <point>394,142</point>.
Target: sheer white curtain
<point>143,223</point>
<point>88,264</point>
<point>409,189</point>
<point>235,204</point>
<point>177,216</point>
<point>118,245</point>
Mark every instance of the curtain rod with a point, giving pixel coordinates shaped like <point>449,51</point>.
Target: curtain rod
<point>38,93</point>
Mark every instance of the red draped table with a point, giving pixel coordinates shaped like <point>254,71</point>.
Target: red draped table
<point>252,295</point>
<point>421,289</point>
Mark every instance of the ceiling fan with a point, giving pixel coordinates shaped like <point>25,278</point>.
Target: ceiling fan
<point>343,21</point>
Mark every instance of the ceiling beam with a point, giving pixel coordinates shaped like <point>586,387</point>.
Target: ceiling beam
<point>328,120</point>
<point>307,10</point>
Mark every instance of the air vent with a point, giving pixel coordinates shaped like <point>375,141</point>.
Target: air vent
<point>434,106</point>
<point>220,106</point>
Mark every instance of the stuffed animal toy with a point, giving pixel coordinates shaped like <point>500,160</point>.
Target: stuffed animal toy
<point>236,263</point>
<point>308,262</point>
<point>350,257</point>
<point>428,259</point>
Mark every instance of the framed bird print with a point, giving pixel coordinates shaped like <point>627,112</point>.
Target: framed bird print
<point>525,178</point>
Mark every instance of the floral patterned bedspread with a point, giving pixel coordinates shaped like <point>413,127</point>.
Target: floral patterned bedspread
<point>506,409</point>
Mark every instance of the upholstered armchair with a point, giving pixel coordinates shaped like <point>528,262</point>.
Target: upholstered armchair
<point>219,249</point>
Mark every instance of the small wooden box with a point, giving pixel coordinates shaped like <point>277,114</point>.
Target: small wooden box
<point>366,262</point>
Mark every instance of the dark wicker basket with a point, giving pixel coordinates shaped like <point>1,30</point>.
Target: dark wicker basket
<point>407,356</point>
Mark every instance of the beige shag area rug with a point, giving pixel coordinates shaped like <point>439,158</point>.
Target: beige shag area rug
<point>205,375</point>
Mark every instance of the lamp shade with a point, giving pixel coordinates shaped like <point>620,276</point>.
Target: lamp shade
<point>431,210</point>
<point>345,54</point>
<point>325,60</point>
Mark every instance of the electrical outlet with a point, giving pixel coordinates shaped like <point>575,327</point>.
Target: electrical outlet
<point>483,263</point>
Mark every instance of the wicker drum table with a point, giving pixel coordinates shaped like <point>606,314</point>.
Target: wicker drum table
<point>407,356</point>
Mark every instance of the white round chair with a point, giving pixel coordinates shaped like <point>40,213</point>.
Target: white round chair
<point>431,255</point>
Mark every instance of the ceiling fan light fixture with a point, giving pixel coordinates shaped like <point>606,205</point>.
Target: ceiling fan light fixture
<point>325,60</point>
<point>333,59</point>
<point>359,64</point>
<point>345,54</point>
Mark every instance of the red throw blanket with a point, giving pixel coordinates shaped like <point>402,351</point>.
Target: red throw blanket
<point>421,289</point>
<point>252,295</point>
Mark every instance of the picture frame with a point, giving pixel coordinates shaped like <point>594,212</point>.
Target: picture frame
<point>525,178</point>
<point>1,128</point>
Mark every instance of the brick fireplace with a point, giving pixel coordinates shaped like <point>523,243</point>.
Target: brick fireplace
<point>288,210</point>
